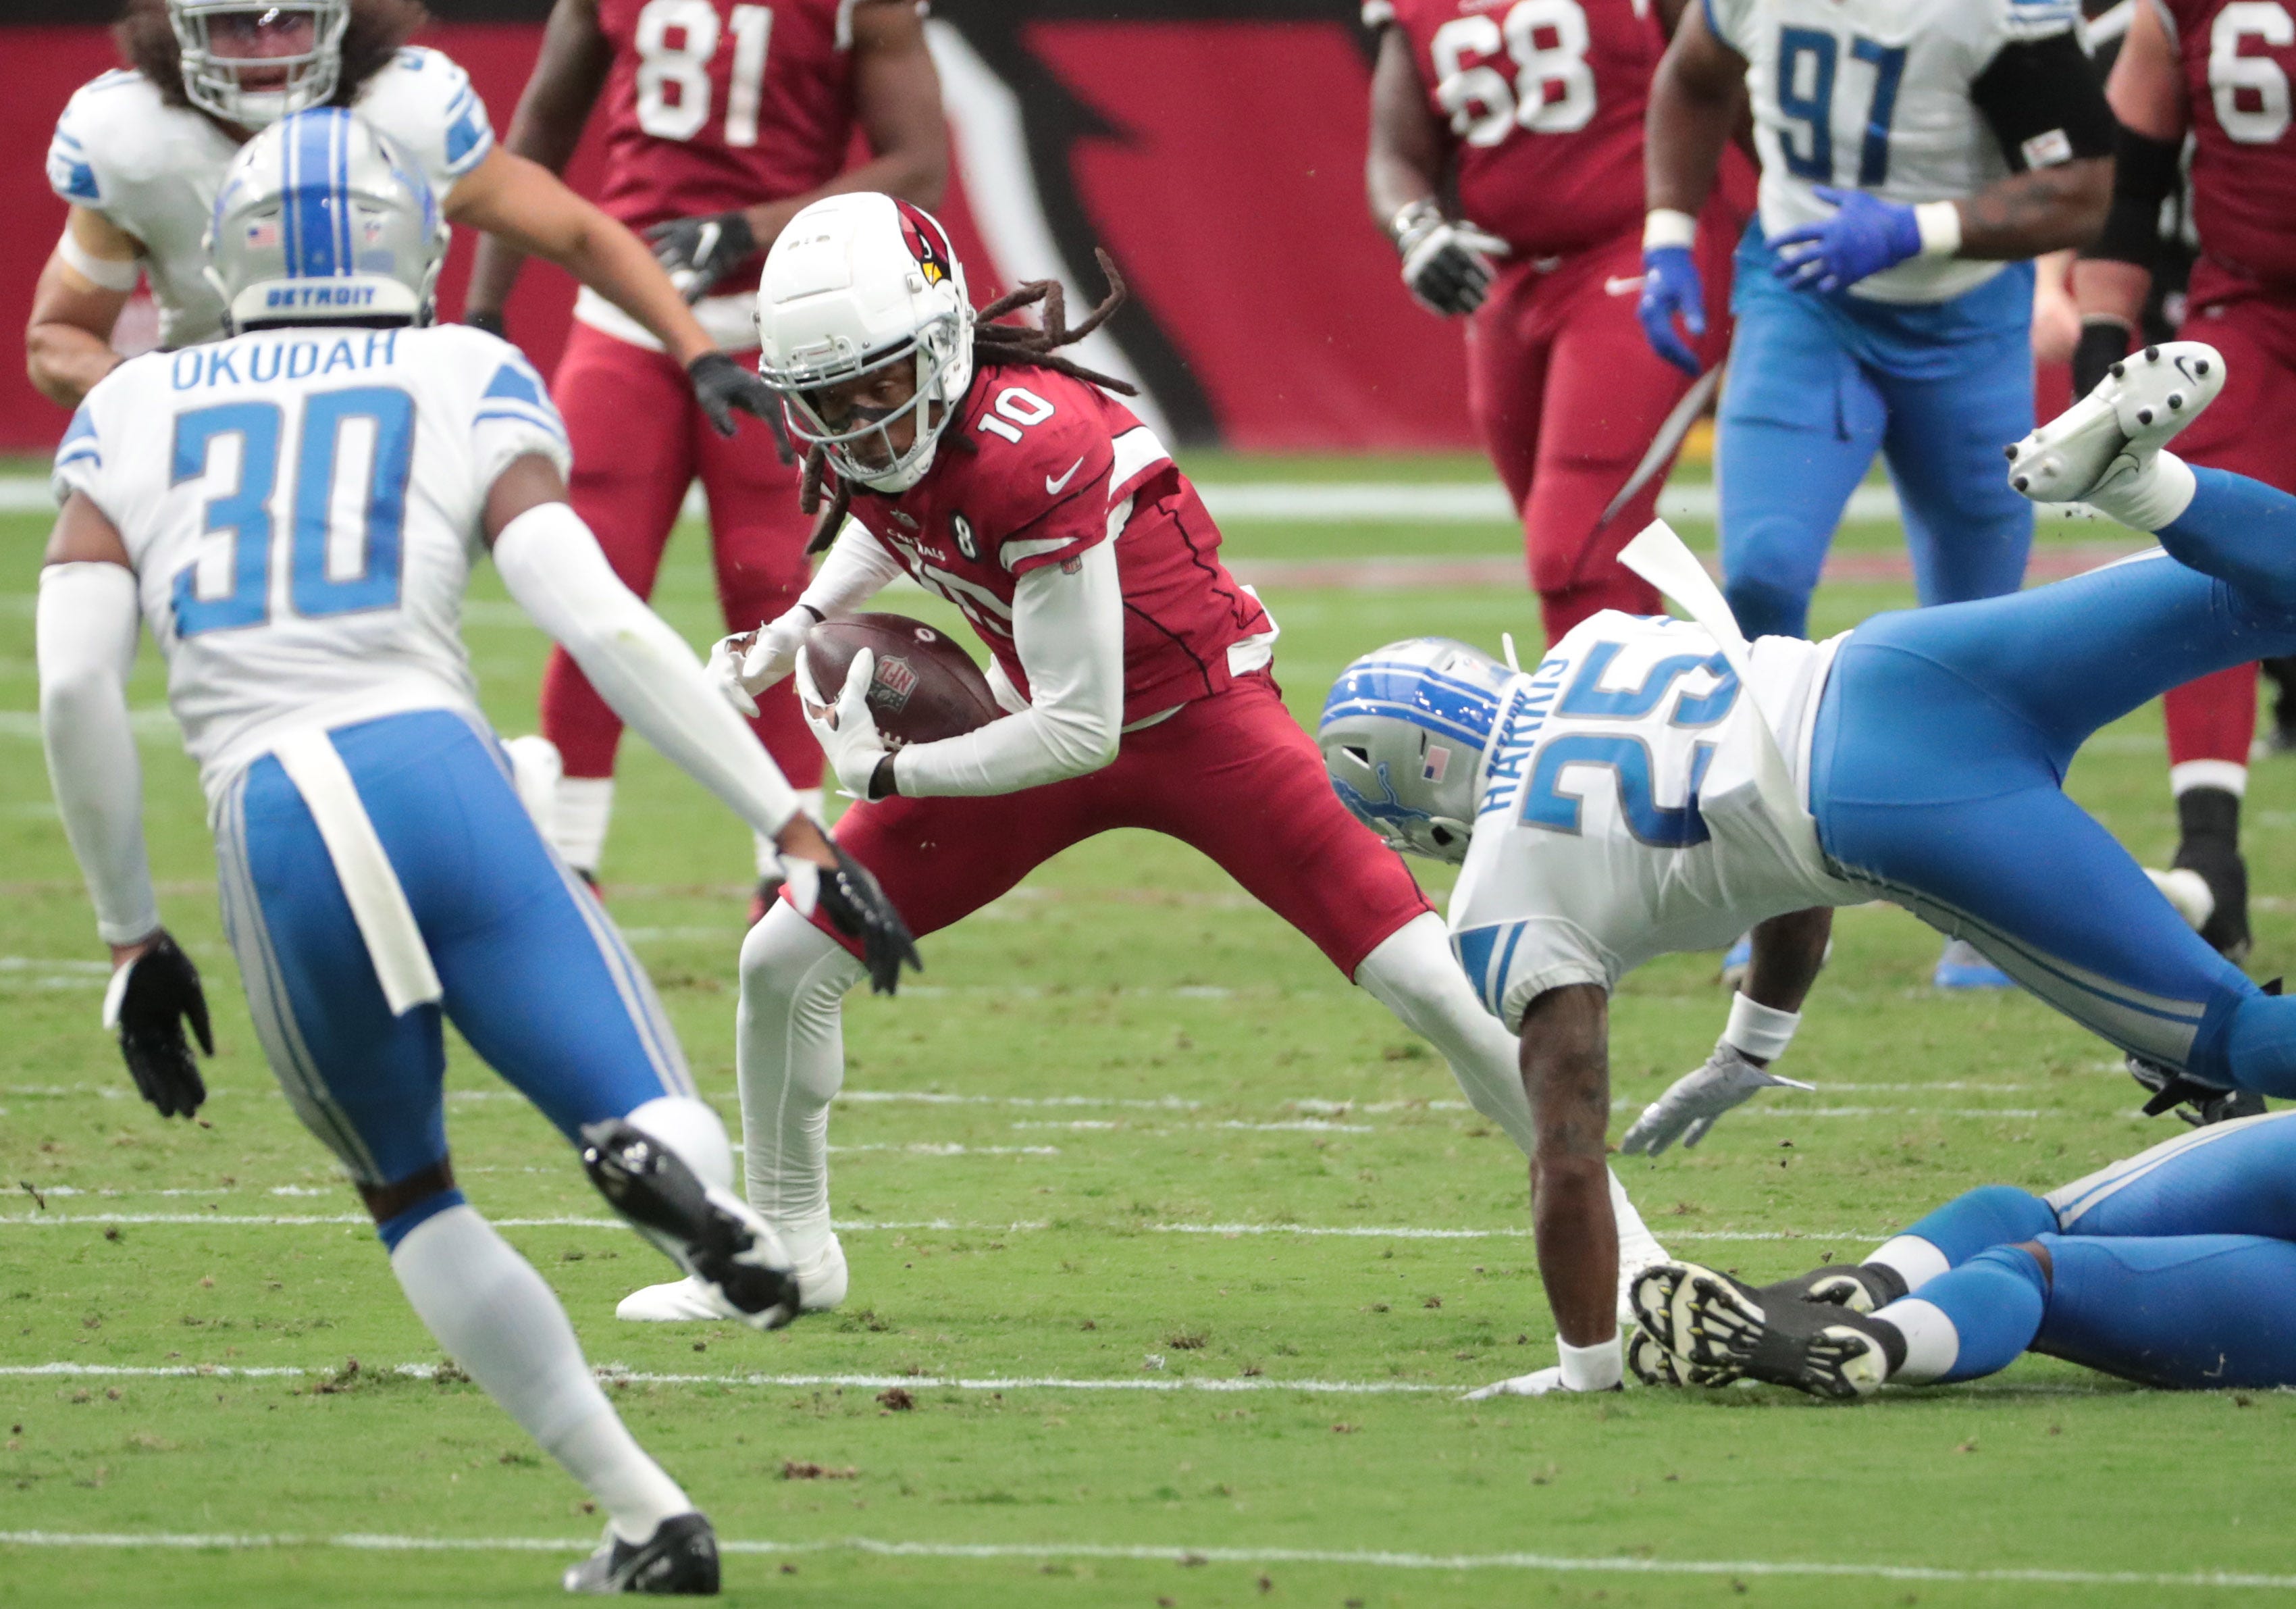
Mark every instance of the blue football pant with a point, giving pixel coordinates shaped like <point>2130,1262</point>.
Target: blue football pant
<point>1814,392</point>
<point>1941,745</point>
<point>535,977</point>
<point>2174,1267</point>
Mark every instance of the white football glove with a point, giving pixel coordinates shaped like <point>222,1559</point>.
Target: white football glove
<point>746,664</point>
<point>848,731</point>
<point>1692,1103</point>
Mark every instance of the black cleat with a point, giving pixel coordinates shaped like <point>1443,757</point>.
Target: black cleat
<point>713,1234</point>
<point>1853,1286</point>
<point>2208,822</point>
<point>681,1557</point>
<point>2198,1104</point>
<point>1721,1323</point>
<point>1654,1365</point>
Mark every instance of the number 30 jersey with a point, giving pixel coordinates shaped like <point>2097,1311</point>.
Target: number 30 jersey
<point>1544,99</point>
<point>1597,844</point>
<point>1875,95</point>
<point>302,510</point>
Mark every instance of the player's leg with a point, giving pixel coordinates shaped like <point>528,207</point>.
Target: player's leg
<point>1506,384</point>
<point>757,546</point>
<point>368,1084</point>
<point>1608,395</point>
<point>1800,423</point>
<point>626,410</point>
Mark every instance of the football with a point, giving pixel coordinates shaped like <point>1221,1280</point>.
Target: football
<point>925,687</point>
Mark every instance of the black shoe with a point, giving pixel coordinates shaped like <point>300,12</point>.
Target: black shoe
<point>1854,1286</point>
<point>2208,822</point>
<point>2198,1104</point>
<point>713,1234</point>
<point>1813,1347</point>
<point>681,1556</point>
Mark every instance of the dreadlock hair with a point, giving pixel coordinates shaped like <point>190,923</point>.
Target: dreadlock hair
<point>993,345</point>
<point>146,39</point>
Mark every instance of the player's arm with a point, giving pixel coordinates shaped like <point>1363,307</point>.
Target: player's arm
<point>1446,262</point>
<point>896,101</point>
<point>1566,1072</point>
<point>87,281</point>
<point>857,568</point>
<point>1695,104</point>
<point>2115,275</point>
<point>568,75</point>
<point>552,566</point>
<point>84,631</point>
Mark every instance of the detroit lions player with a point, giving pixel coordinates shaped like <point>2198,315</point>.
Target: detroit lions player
<point>140,154</point>
<point>2173,1268</point>
<point>294,510</point>
<point>1911,152</point>
<point>1656,785</point>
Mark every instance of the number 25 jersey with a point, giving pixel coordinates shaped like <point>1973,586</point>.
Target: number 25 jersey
<point>1593,850</point>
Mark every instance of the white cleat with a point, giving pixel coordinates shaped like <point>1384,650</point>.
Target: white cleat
<point>1537,1384</point>
<point>2189,892</point>
<point>2111,438</point>
<point>821,1283</point>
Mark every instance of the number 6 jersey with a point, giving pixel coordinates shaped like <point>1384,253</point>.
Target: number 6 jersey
<point>1617,819</point>
<point>302,509</point>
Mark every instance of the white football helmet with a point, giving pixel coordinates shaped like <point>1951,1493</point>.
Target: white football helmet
<point>1404,733</point>
<point>856,283</point>
<point>320,217</point>
<point>213,80</point>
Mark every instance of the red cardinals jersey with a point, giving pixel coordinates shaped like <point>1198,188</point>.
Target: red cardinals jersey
<point>2238,57</point>
<point>1545,100</point>
<point>1035,469</point>
<point>715,104</point>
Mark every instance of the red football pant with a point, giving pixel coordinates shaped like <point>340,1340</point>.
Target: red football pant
<point>2244,430</point>
<point>1568,395</point>
<point>1232,775</point>
<point>639,439</point>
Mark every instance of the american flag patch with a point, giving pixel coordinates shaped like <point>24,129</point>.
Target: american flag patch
<point>1438,761</point>
<point>263,233</point>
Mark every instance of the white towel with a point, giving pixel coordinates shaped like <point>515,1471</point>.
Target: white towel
<point>402,961</point>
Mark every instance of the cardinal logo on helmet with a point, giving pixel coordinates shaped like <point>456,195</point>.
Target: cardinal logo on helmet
<point>926,241</point>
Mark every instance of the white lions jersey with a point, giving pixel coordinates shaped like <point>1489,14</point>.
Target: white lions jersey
<point>153,170</point>
<point>1874,96</point>
<point>1599,840</point>
<point>302,509</point>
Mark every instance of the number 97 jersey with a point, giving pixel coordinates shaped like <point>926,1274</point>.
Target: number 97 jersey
<point>1544,100</point>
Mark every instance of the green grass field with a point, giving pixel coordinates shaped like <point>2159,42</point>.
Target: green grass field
<point>1181,1249</point>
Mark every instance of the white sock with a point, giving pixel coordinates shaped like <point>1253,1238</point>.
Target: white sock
<point>789,1058</point>
<point>1912,1258</point>
<point>585,805</point>
<point>2231,776</point>
<point>500,1321</point>
<point>690,1129</point>
<point>1413,974</point>
<point>1932,1342</point>
<point>1592,1368</point>
<point>2153,498</point>
<point>769,857</point>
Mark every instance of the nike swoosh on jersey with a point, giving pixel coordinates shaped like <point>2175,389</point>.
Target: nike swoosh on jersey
<point>1055,488</point>
<point>1617,285</point>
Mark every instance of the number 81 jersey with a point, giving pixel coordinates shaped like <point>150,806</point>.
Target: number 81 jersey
<point>1593,850</point>
<point>1544,99</point>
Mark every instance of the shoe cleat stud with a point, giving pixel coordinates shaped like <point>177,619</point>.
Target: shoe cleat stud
<point>2151,354</point>
<point>2144,416</point>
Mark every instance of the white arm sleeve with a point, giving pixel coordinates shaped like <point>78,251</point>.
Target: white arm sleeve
<point>857,569</point>
<point>86,627</point>
<point>642,668</point>
<point>1069,632</point>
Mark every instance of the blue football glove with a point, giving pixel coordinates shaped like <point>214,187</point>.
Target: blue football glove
<point>1671,290</point>
<point>1865,235</point>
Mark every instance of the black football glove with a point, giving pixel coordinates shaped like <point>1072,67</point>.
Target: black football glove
<point>721,385</point>
<point>857,908</point>
<point>490,319</point>
<point>2103,342</point>
<point>160,994</point>
<point>697,252</point>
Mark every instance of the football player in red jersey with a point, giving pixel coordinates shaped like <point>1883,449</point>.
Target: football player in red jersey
<point>2218,71</point>
<point>723,118</point>
<point>973,457</point>
<point>1532,115</point>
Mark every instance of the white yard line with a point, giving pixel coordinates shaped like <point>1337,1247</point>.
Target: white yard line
<point>1150,1553</point>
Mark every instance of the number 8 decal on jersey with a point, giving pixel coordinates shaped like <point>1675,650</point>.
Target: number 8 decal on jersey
<point>1484,107</point>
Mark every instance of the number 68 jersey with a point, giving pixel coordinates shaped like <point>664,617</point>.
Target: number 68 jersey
<point>1599,840</point>
<point>302,509</point>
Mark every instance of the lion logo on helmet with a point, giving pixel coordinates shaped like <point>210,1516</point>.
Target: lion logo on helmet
<point>928,242</point>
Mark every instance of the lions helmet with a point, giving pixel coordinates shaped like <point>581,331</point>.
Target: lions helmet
<point>245,85</point>
<point>855,285</point>
<point>320,217</point>
<point>1404,733</point>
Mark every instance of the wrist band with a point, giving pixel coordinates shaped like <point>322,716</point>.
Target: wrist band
<point>105,273</point>
<point>1760,1031</point>
<point>1664,227</point>
<point>1592,1368</point>
<point>1939,223</point>
<point>1416,220</point>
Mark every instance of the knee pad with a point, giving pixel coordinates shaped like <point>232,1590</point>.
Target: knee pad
<point>690,1131</point>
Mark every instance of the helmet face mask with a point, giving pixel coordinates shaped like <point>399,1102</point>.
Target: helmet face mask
<point>320,219</point>
<point>253,89</point>
<point>1404,735</point>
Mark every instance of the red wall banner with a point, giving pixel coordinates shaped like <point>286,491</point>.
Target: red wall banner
<point>1216,151</point>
